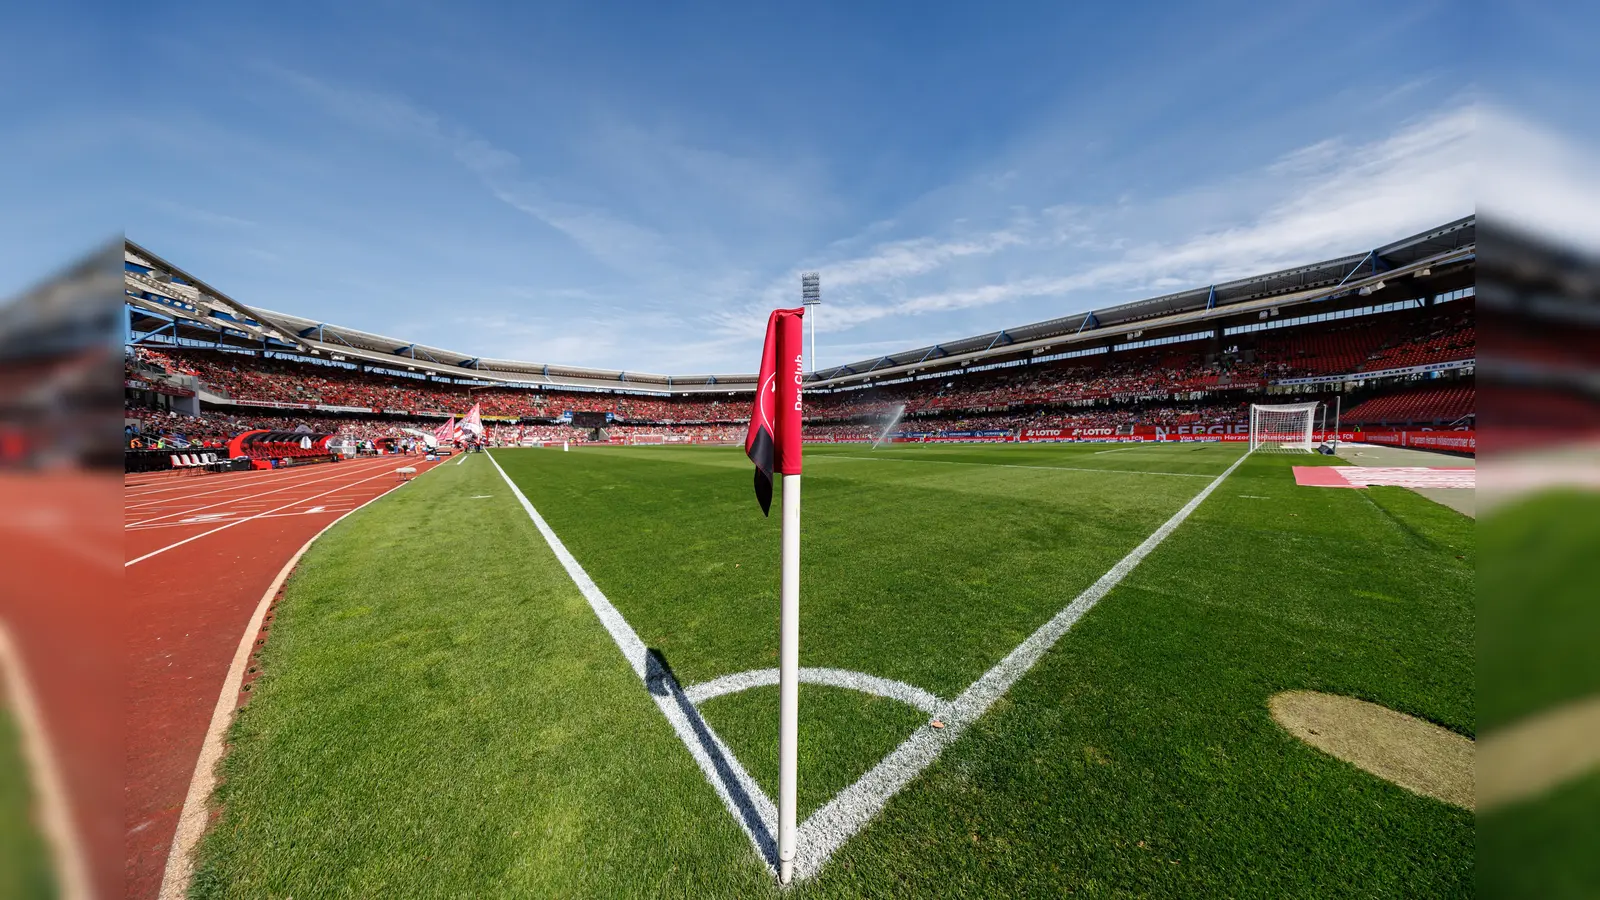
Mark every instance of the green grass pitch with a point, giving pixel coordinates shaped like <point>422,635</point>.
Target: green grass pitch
<point>442,714</point>
<point>25,872</point>
<point>1536,653</point>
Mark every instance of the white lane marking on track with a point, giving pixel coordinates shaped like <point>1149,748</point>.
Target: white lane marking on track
<point>745,800</point>
<point>232,478</point>
<point>242,493</point>
<point>297,483</point>
<point>954,462</point>
<point>841,818</point>
<point>179,870</point>
<point>249,519</point>
<point>316,509</point>
<point>232,483</point>
<point>271,515</point>
<point>50,801</point>
<point>43,524</point>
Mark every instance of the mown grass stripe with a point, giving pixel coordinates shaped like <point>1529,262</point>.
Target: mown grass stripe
<point>828,828</point>
<point>955,462</point>
<point>749,805</point>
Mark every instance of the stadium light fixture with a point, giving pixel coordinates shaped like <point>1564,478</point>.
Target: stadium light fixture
<point>811,298</point>
<point>1369,289</point>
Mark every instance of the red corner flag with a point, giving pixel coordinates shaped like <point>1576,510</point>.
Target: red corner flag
<point>773,441</point>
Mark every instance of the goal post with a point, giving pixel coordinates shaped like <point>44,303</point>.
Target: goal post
<point>1282,427</point>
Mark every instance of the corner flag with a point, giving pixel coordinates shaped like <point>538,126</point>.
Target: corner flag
<point>773,441</point>
<point>773,444</point>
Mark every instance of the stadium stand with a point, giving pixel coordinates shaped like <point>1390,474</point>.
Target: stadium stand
<point>1423,406</point>
<point>1398,345</point>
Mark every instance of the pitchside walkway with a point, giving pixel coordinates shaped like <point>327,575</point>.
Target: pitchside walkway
<point>1462,501</point>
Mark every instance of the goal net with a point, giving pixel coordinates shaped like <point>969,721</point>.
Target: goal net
<point>1284,427</point>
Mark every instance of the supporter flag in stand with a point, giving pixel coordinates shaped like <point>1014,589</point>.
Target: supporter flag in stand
<point>473,423</point>
<point>773,444</point>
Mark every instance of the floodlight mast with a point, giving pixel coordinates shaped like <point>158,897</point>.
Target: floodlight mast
<point>811,298</point>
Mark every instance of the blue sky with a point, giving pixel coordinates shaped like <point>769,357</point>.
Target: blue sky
<point>633,185</point>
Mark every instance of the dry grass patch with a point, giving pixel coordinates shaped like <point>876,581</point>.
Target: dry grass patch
<point>1416,755</point>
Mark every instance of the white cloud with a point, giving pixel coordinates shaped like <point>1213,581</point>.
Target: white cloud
<point>917,256</point>
<point>205,217</point>
<point>1335,199</point>
<point>707,233</point>
<point>1540,180</point>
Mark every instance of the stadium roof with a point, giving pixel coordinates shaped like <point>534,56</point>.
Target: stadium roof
<point>1326,280</point>
<point>73,309</point>
<point>164,299</point>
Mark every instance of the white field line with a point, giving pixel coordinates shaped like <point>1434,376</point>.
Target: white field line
<point>179,869</point>
<point>271,476</point>
<point>836,822</point>
<point>842,678</point>
<point>745,800</point>
<point>847,813</point>
<point>50,807</point>
<point>343,472</point>
<point>952,462</point>
<point>252,518</point>
<point>462,459</point>
<point>1118,450</point>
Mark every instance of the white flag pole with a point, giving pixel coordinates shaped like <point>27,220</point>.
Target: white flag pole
<point>789,677</point>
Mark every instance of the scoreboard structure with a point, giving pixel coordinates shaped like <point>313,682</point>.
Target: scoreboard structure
<point>591,419</point>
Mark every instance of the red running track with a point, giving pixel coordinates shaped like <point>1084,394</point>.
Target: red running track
<point>200,553</point>
<point>61,601</point>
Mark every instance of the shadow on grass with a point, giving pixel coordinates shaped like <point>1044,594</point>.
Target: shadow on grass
<point>664,685</point>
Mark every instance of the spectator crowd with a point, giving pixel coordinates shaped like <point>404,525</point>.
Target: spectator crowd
<point>1166,386</point>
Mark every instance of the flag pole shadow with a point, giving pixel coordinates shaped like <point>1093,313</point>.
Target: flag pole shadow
<point>663,683</point>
